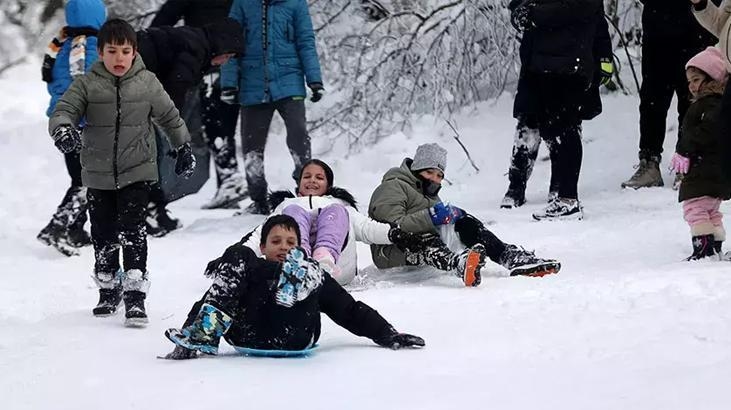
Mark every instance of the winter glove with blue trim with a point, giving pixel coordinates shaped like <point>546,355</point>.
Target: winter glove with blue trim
<point>445,214</point>
<point>67,139</point>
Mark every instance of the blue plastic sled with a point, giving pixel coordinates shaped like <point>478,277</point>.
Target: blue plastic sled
<point>247,351</point>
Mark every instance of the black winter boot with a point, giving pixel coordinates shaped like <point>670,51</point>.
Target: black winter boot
<point>77,236</point>
<point>521,262</point>
<point>702,247</point>
<point>109,300</point>
<point>159,222</point>
<point>56,236</point>
<point>134,304</point>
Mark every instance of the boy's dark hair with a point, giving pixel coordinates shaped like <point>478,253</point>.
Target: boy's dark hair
<point>284,221</point>
<point>116,32</point>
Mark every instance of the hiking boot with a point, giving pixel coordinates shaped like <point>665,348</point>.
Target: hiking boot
<point>228,195</point>
<point>647,175</point>
<point>521,262</point>
<point>703,247</point>
<point>470,263</point>
<point>204,333</point>
<point>512,199</point>
<point>561,209</point>
<point>109,300</point>
<point>159,222</point>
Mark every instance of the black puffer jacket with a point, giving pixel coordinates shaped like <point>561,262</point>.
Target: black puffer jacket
<point>261,323</point>
<point>195,13</point>
<point>672,20</point>
<point>180,56</point>
<point>562,39</point>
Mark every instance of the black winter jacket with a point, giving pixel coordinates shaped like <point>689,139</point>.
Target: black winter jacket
<point>195,13</point>
<point>562,39</point>
<point>673,21</point>
<point>261,323</point>
<point>699,141</point>
<point>180,56</point>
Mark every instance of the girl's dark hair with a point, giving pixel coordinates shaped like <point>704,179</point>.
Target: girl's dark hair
<point>116,32</point>
<point>284,221</point>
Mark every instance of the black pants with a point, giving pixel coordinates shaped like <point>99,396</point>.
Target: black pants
<point>724,140</point>
<point>552,112</point>
<point>71,213</point>
<point>219,127</point>
<point>255,122</point>
<point>663,74</point>
<point>118,220</point>
<point>73,167</point>
<point>472,231</point>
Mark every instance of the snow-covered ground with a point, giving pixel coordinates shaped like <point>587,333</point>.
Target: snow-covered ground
<point>625,325</point>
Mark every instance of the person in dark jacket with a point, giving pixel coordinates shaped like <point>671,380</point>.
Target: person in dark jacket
<point>698,157</point>
<point>65,232</point>
<point>275,303</point>
<point>180,57</point>
<point>219,119</point>
<point>528,140</point>
<point>670,37</point>
<point>280,56</point>
<point>557,66</point>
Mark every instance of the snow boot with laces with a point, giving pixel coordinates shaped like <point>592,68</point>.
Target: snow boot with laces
<point>519,261</point>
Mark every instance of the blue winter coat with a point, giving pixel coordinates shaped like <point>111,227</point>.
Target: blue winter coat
<point>79,14</point>
<point>278,72</point>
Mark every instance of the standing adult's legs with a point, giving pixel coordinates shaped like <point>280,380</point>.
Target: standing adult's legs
<point>656,93</point>
<point>255,122</point>
<point>219,127</point>
<point>525,150</point>
<point>298,140</point>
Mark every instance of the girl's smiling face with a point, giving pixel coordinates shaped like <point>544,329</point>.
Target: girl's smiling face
<point>313,181</point>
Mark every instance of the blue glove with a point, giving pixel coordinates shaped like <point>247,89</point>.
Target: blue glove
<point>444,214</point>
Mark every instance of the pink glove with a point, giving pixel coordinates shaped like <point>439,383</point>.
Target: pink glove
<point>679,164</point>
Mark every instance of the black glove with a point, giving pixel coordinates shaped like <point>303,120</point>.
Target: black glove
<point>409,241</point>
<point>398,340</point>
<point>230,95</point>
<point>67,139</point>
<point>317,91</point>
<point>185,161</point>
<point>520,15</point>
<point>181,353</point>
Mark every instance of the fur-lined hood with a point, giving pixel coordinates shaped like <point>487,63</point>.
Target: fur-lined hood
<point>277,197</point>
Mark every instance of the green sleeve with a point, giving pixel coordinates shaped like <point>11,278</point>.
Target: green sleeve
<point>390,203</point>
<point>71,107</point>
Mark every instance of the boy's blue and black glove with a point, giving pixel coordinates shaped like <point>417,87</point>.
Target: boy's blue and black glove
<point>444,214</point>
<point>185,161</point>
<point>67,139</point>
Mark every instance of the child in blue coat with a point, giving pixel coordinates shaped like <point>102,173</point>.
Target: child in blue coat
<point>69,55</point>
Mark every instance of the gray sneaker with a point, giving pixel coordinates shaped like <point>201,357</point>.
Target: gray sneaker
<point>647,175</point>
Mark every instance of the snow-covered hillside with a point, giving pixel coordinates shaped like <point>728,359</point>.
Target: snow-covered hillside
<point>625,325</point>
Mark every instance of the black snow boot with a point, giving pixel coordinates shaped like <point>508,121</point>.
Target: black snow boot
<point>77,236</point>
<point>702,247</point>
<point>109,300</point>
<point>56,235</point>
<point>513,199</point>
<point>134,305</point>
<point>159,222</point>
<point>521,262</point>
<point>255,208</point>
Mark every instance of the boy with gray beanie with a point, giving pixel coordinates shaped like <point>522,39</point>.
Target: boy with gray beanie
<point>408,197</point>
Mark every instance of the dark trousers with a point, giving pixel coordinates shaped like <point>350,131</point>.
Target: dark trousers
<point>71,213</point>
<point>118,220</point>
<point>472,231</point>
<point>724,140</point>
<point>663,74</point>
<point>73,167</point>
<point>255,122</point>
<point>553,113</point>
<point>219,127</point>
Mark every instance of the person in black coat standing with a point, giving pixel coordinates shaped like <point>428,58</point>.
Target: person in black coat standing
<point>557,67</point>
<point>670,37</point>
<point>219,119</point>
<point>528,140</point>
<point>275,303</point>
<point>180,57</point>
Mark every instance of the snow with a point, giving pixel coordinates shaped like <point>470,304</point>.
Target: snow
<point>626,324</point>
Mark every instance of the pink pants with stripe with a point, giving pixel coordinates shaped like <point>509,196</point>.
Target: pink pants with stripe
<point>704,218</point>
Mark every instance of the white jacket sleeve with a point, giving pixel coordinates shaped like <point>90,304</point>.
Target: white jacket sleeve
<point>367,230</point>
<point>713,18</point>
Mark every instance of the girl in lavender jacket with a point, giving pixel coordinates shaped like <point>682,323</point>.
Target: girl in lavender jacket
<point>329,221</point>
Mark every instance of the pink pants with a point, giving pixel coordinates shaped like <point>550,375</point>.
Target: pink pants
<point>704,218</point>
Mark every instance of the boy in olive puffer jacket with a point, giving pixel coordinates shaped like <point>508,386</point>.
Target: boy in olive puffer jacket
<point>118,98</point>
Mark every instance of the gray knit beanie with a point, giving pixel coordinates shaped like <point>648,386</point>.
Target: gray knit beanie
<point>429,156</point>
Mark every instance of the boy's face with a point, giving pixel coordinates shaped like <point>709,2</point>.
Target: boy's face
<point>434,175</point>
<point>118,59</point>
<point>279,241</point>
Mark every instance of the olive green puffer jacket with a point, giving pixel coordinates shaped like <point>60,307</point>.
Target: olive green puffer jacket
<point>400,200</point>
<point>118,141</point>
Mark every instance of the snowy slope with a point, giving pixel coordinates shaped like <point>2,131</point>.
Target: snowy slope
<point>624,325</point>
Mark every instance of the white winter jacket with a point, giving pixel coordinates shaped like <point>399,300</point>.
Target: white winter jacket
<point>717,20</point>
<point>362,229</point>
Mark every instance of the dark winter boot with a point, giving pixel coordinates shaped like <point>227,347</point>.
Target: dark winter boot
<point>228,195</point>
<point>255,208</point>
<point>702,247</point>
<point>521,262</point>
<point>647,174</point>
<point>109,300</point>
<point>470,263</point>
<point>512,199</point>
<point>56,235</point>
<point>467,265</point>
<point>134,305</point>
<point>718,247</point>
<point>159,222</point>
<point>77,236</point>
<point>204,333</point>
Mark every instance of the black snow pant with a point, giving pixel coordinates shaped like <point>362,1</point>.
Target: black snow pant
<point>724,139</point>
<point>663,74</point>
<point>118,220</point>
<point>219,127</point>
<point>553,115</point>
<point>472,231</point>
<point>255,122</point>
<point>71,213</point>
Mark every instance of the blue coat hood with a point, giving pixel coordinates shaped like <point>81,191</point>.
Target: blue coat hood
<point>85,13</point>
